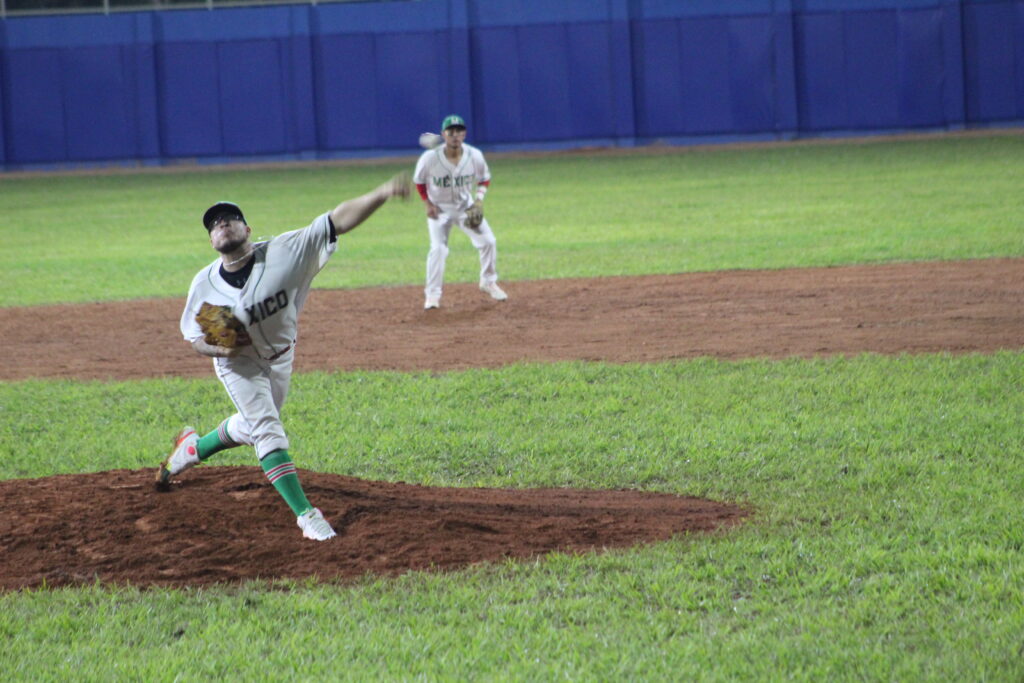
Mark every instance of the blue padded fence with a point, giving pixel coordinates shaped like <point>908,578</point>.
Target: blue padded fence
<point>366,78</point>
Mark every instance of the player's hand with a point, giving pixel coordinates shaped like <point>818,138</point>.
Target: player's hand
<point>399,186</point>
<point>432,210</point>
<point>243,340</point>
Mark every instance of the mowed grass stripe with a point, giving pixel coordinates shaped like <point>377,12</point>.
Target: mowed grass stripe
<point>138,236</point>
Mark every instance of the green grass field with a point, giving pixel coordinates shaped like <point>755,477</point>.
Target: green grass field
<point>887,542</point>
<point>130,236</point>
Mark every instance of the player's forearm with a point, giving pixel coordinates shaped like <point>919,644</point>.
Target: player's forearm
<point>213,351</point>
<point>481,190</point>
<point>349,214</point>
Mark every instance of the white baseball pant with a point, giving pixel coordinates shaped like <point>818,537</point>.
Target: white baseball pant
<point>258,389</point>
<point>440,228</point>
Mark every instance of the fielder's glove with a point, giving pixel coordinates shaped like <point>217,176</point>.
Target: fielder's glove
<point>474,216</point>
<point>221,327</point>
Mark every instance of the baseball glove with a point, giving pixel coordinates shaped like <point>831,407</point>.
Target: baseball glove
<point>474,216</point>
<point>221,327</point>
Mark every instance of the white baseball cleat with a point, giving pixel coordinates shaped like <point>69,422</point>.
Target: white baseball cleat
<point>314,526</point>
<point>494,290</point>
<point>431,302</point>
<point>184,455</point>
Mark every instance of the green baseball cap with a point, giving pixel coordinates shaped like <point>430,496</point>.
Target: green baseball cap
<point>451,121</point>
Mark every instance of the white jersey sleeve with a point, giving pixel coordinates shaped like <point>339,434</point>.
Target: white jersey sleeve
<point>480,167</point>
<point>309,248</point>
<point>421,176</point>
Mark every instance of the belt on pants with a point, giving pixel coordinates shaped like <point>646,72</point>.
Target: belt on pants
<point>280,353</point>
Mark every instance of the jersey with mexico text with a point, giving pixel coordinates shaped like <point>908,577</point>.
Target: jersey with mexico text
<point>451,186</point>
<point>269,302</point>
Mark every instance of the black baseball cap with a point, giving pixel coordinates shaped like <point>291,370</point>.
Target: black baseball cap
<point>219,208</point>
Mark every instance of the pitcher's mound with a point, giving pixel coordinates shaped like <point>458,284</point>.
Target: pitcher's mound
<point>228,524</point>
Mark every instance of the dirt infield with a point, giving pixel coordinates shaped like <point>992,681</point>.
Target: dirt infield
<point>918,308</point>
<point>226,524</point>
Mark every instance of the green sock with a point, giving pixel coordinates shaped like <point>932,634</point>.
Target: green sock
<point>216,441</point>
<point>281,473</point>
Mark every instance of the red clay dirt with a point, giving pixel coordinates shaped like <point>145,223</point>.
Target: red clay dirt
<point>956,306</point>
<point>226,524</point>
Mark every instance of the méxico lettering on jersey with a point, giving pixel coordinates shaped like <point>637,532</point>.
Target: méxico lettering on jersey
<point>460,181</point>
<point>262,310</point>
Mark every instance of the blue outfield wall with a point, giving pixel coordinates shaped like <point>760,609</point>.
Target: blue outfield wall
<point>354,79</point>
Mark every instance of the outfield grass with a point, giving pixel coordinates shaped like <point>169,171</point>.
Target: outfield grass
<point>887,540</point>
<point>886,544</point>
<point>89,238</point>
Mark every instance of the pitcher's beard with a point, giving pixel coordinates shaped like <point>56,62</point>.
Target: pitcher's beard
<point>232,246</point>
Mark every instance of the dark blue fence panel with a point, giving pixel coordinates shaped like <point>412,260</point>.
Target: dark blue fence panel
<point>621,82</point>
<point>251,98</point>
<point>703,54</point>
<point>141,100</point>
<point>349,78</point>
<point>993,35</point>
<point>871,76</point>
<point>821,93</point>
<point>922,71</point>
<point>752,79</point>
<point>1019,43</point>
<point>188,91</point>
<point>235,82</point>
<point>545,72</point>
<point>659,78</point>
<point>784,74</point>
<point>706,75</point>
<point>546,84</point>
<point>297,81</point>
<point>408,76</point>
<point>35,106</point>
<point>4,114</point>
<point>346,91</point>
<point>498,84</point>
<point>892,70</point>
<point>591,78</point>
<point>386,72</point>
<point>949,71</point>
<point>96,104</point>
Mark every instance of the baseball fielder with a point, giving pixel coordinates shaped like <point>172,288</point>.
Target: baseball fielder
<point>453,180</point>
<point>263,286</point>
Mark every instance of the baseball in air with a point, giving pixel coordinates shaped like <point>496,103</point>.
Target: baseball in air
<point>430,140</point>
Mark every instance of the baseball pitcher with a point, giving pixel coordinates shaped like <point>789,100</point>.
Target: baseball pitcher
<point>242,311</point>
<point>453,180</point>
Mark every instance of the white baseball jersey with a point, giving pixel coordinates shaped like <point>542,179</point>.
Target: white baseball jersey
<point>450,186</point>
<point>271,299</point>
